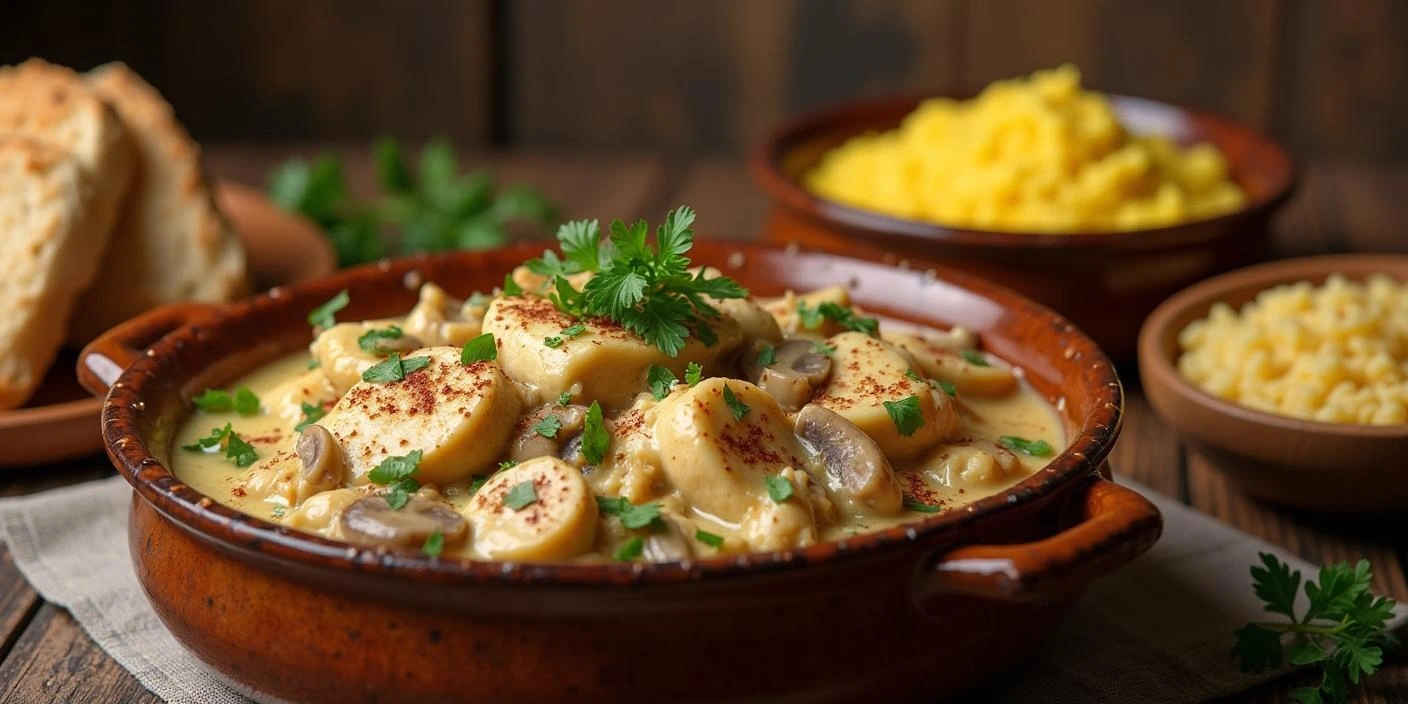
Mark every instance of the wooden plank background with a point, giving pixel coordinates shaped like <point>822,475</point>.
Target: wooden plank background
<point>1327,76</point>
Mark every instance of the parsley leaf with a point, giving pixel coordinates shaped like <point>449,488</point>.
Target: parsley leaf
<point>553,342</point>
<point>243,401</point>
<point>573,330</point>
<point>370,341</point>
<point>477,483</point>
<point>631,516</point>
<point>1342,631</point>
<point>713,541</point>
<point>511,287</point>
<point>235,447</point>
<point>1035,448</point>
<point>434,544</point>
<point>945,386</point>
<point>521,495</point>
<point>660,380</point>
<point>647,289</point>
<point>323,315</point>
<point>311,414</point>
<point>807,316</point>
<point>847,318</point>
<point>975,358</point>
<point>767,355</point>
<point>914,504</point>
<point>736,407</point>
<point>564,398</point>
<point>480,349</point>
<point>693,373</point>
<point>630,550</point>
<point>548,426</point>
<point>596,439</point>
<point>906,414</point>
<point>820,347</point>
<point>397,473</point>
<point>779,488</point>
<point>393,368</point>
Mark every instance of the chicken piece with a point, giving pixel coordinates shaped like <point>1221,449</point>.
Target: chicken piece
<point>784,310</point>
<point>458,416</point>
<point>311,387</point>
<point>978,463</point>
<point>717,453</point>
<point>341,358</point>
<point>866,373</point>
<point>941,359</point>
<point>538,510</point>
<point>440,319</point>
<point>780,525</point>
<point>605,362</point>
<point>319,513</point>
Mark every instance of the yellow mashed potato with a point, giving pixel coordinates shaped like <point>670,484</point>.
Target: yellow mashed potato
<point>1336,353</point>
<point>1036,155</point>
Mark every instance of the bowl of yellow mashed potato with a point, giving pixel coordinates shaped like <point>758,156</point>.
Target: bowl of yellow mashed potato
<point>1291,378</point>
<point>1098,205</point>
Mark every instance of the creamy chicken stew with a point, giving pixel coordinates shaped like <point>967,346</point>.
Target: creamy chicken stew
<point>517,425</point>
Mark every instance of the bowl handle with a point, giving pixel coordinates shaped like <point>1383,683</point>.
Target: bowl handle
<point>1117,525</point>
<point>104,359</point>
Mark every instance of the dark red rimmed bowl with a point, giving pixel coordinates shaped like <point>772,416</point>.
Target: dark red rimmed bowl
<point>917,612</point>
<point>1105,282</point>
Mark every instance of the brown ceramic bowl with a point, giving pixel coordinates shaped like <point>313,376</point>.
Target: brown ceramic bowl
<point>59,422</point>
<point>1105,282</point>
<point>916,612</point>
<point>1300,463</point>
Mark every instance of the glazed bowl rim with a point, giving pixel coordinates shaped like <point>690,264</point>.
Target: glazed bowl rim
<point>212,520</point>
<point>766,157</point>
<point>1158,330</point>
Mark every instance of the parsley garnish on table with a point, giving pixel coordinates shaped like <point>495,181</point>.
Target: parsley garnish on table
<point>429,209</point>
<point>646,288</point>
<point>1342,631</point>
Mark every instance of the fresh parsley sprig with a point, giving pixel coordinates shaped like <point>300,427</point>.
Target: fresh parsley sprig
<point>1342,631</point>
<point>646,288</point>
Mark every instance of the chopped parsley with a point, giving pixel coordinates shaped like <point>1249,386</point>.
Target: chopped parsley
<point>975,358</point>
<point>480,349</point>
<point>278,511</point>
<point>324,315</point>
<point>243,401</point>
<point>630,550</point>
<point>573,330</point>
<point>521,496</point>
<point>548,426</point>
<point>839,314</point>
<point>370,341</point>
<point>311,414</point>
<point>779,487</point>
<point>393,368</point>
<point>511,287</point>
<point>631,516</point>
<point>553,342</point>
<point>914,504</point>
<point>1035,448</point>
<point>646,288</point>
<point>660,380</point>
<point>596,439</point>
<point>507,464</point>
<point>820,347</point>
<point>736,407</point>
<point>940,384</point>
<point>564,398</point>
<point>314,364</point>
<point>434,544</point>
<point>693,373</point>
<point>477,483</point>
<point>235,447</point>
<point>713,541</point>
<point>397,474</point>
<point>906,414</point>
<point>767,355</point>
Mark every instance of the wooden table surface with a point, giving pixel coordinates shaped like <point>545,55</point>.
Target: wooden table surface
<point>1340,207</point>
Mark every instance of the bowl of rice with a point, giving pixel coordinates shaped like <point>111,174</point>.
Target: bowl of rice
<point>1291,378</point>
<point>1098,205</point>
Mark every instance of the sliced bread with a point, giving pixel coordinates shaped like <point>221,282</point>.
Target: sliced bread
<point>171,243</point>
<point>54,237</point>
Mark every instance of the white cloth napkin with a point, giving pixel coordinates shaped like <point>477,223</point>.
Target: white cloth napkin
<point>1158,630</point>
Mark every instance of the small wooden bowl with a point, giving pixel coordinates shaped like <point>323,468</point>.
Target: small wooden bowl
<point>61,421</point>
<point>1304,464</point>
<point>1104,282</point>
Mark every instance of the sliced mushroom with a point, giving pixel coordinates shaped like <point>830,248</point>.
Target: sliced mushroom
<point>666,543</point>
<point>530,443</point>
<point>793,376</point>
<point>858,475</point>
<point>324,466</point>
<point>372,521</point>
